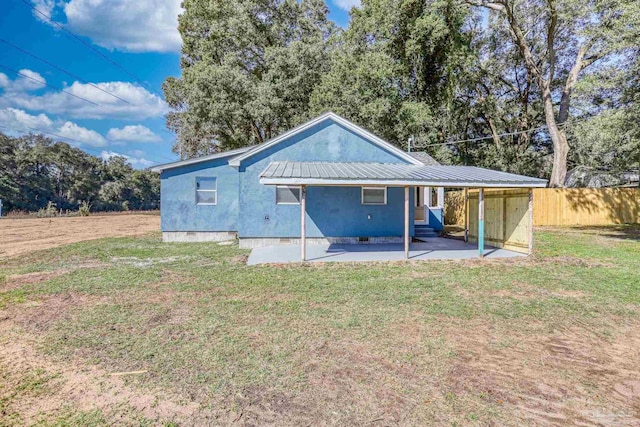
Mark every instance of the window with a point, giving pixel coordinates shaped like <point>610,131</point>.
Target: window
<point>206,190</point>
<point>287,195</point>
<point>374,195</point>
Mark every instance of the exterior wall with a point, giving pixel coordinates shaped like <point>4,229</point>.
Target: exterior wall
<point>178,208</point>
<point>436,218</point>
<point>331,211</point>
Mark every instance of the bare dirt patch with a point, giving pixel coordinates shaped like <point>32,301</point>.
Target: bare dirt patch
<point>21,236</point>
<point>571,376</point>
<point>80,386</point>
<point>14,281</point>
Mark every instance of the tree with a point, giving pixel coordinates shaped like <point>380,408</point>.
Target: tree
<point>394,68</point>
<point>558,40</point>
<point>248,69</point>
<point>34,170</point>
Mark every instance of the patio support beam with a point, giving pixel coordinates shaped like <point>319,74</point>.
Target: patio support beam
<point>303,222</point>
<point>406,222</point>
<point>481,222</point>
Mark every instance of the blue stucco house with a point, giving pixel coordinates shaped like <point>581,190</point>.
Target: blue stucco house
<point>327,180</point>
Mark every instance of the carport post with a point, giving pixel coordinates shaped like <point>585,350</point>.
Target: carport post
<point>481,222</point>
<point>303,221</point>
<point>406,222</point>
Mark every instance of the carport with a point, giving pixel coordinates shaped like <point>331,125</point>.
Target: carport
<point>307,174</point>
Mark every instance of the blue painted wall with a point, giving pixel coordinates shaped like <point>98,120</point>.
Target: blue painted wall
<point>331,211</point>
<point>178,208</point>
<point>436,218</point>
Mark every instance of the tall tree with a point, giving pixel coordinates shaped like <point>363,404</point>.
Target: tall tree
<point>248,69</point>
<point>393,69</point>
<point>558,40</point>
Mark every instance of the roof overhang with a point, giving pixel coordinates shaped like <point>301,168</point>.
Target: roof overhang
<point>235,162</point>
<point>392,175</point>
<point>224,154</point>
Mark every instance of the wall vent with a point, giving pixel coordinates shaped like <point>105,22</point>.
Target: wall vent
<point>283,241</point>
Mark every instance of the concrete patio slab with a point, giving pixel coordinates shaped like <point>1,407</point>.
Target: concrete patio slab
<point>436,248</point>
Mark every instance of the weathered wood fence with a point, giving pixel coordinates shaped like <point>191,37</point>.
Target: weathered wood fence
<point>566,206</point>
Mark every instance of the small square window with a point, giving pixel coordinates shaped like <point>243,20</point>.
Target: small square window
<point>374,195</point>
<point>287,195</point>
<point>206,190</point>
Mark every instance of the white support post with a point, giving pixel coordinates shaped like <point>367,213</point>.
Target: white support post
<point>406,222</point>
<point>481,222</point>
<point>428,200</point>
<point>441,197</point>
<point>466,215</point>
<point>303,221</point>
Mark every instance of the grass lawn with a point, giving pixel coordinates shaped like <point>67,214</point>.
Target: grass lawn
<point>551,339</point>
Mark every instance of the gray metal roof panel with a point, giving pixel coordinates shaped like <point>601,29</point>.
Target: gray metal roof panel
<point>424,157</point>
<point>392,173</point>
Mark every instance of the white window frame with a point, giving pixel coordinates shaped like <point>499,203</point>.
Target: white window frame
<point>207,191</point>
<point>374,188</point>
<point>288,186</point>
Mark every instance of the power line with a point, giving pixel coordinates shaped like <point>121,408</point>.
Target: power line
<point>491,137</point>
<point>48,85</point>
<point>62,70</point>
<point>88,45</point>
<point>99,152</point>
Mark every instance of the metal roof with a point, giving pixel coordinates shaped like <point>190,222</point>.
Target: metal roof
<point>336,118</point>
<point>424,158</point>
<point>230,153</point>
<point>328,173</point>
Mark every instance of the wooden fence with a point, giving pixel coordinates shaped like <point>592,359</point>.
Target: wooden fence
<point>567,206</point>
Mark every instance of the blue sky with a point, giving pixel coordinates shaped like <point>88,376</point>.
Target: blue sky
<point>83,109</point>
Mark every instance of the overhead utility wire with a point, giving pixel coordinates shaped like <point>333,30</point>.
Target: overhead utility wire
<point>66,138</point>
<point>489,137</point>
<point>88,45</point>
<point>48,85</point>
<point>62,70</point>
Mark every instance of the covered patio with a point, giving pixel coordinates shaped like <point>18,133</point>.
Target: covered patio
<point>360,174</point>
<point>434,248</point>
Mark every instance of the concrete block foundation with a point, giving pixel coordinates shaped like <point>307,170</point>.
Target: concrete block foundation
<point>198,236</point>
<point>250,243</point>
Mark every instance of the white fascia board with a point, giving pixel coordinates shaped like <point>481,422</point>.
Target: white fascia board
<point>399,183</point>
<point>160,168</point>
<point>235,162</point>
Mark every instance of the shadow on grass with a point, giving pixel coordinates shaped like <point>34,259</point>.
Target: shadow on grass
<point>623,231</point>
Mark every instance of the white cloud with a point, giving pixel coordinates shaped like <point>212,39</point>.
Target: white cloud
<point>45,7</point>
<point>137,133</point>
<point>90,137</point>
<point>4,80</point>
<point>21,121</point>
<point>141,103</point>
<point>129,25</point>
<point>135,161</point>
<point>347,4</point>
<point>28,81</point>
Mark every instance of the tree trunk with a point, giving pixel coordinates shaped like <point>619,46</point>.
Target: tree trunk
<point>559,139</point>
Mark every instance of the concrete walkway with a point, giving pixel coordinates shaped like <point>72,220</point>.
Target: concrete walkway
<point>431,249</point>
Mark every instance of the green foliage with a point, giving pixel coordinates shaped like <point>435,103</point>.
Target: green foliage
<point>49,212</point>
<point>437,71</point>
<point>40,175</point>
<point>84,209</point>
<point>248,69</point>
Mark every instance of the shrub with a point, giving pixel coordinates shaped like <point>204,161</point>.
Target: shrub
<point>84,209</point>
<point>125,205</point>
<point>49,212</point>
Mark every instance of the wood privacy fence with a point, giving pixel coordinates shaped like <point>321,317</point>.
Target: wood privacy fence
<point>565,207</point>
